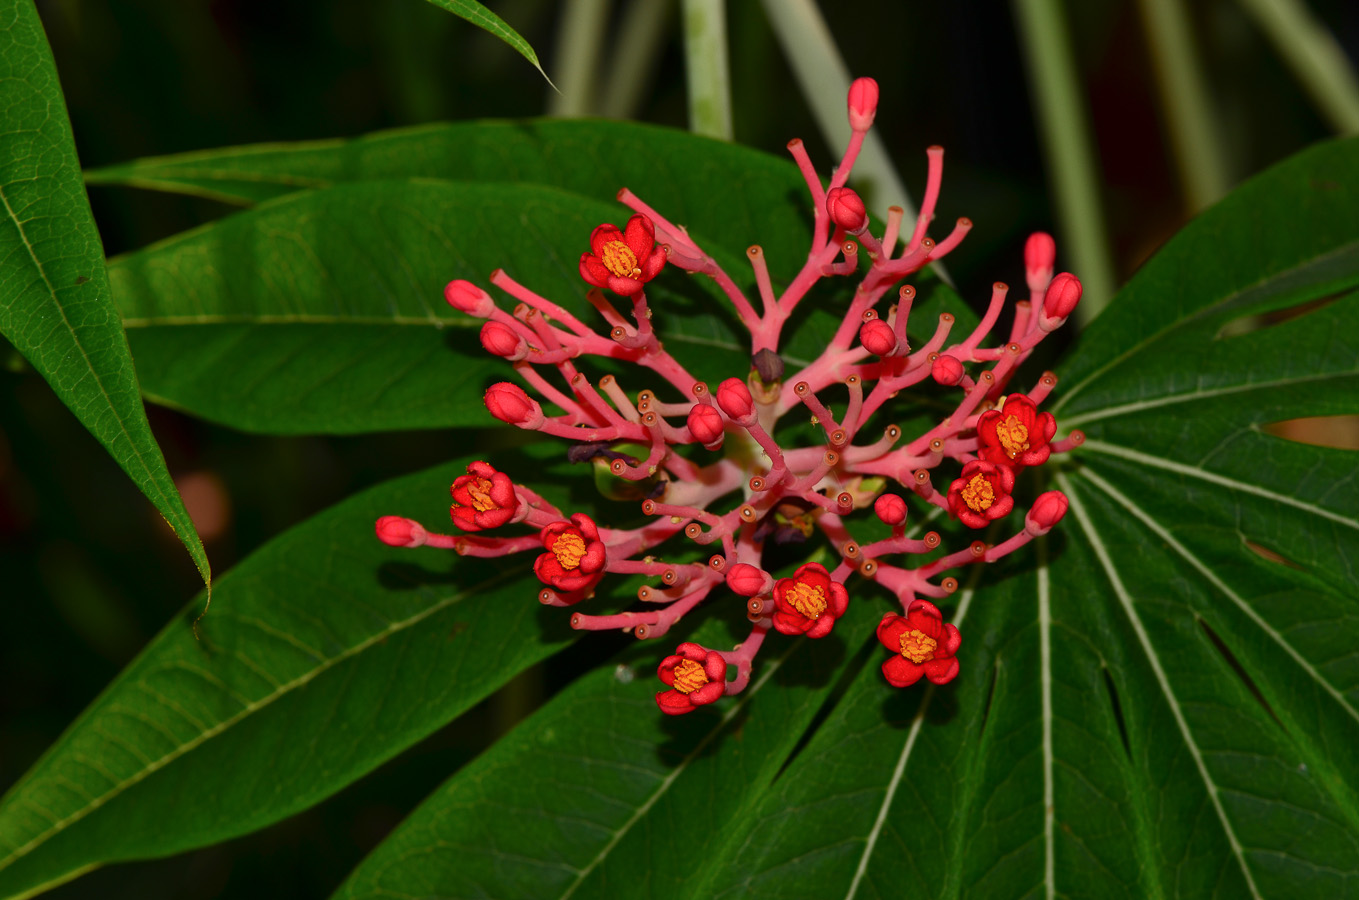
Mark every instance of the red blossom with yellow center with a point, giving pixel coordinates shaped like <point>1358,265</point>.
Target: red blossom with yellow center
<point>982,493</point>
<point>483,498</point>
<point>809,602</point>
<point>575,557</point>
<point>623,261</point>
<point>1016,434</point>
<point>695,676</point>
<point>921,644</point>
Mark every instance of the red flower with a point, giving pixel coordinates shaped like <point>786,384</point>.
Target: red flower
<point>574,559</point>
<point>483,498</point>
<point>1016,434</point>
<point>922,644</point>
<point>623,261</point>
<point>982,494</point>
<point>695,676</point>
<point>809,602</point>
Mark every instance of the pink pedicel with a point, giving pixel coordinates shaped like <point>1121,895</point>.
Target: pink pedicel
<point>719,468</point>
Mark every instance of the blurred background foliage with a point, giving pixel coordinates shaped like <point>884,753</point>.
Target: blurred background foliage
<point>90,572</point>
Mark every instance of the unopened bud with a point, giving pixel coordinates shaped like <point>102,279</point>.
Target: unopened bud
<point>500,339</point>
<point>469,298</point>
<point>863,103</point>
<point>508,403</point>
<point>1046,512</point>
<point>1062,296</point>
<point>397,531</point>
<point>705,424</point>
<point>768,364</point>
<point>890,508</point>
<point>846,209</point>
<point>878,337</point>
<point>748,580</point>
<point>734,398</point>
<point>947,370</point>
<point>1040,254</point>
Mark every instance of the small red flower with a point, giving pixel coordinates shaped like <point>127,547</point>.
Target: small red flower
<point>695,676</point>
<point>809,602</point>
<point>623,261</point>
<point>982,494</point>
<point>922,644</point>
<point>574,560</point>
<point>1016,434</point>
<point>483,498</point>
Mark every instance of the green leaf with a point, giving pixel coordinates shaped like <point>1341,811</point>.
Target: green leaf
<point>486,20</point>
<point>326,653</point>
<point>56,309</point>
<point>1147,706</point>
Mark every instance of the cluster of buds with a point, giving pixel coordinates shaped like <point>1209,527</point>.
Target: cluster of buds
<point>736,486</point>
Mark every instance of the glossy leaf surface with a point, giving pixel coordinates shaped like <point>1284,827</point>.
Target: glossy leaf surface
<point>55,306</point>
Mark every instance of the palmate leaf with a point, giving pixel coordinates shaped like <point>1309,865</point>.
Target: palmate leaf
<point>55,306</point>
<point>325,654</point>
<point>1148,707</point>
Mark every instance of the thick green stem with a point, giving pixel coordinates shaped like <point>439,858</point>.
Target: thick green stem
<point>1314,56</point>
<point>705,52</point>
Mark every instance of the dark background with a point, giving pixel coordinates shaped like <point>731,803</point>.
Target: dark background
<point>88,572</point>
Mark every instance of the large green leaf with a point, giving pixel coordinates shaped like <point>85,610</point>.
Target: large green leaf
<point>326,653</point>
<point>55,306</point>
<point>1148,707</point>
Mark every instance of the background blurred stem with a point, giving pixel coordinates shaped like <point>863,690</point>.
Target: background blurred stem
<point>1314,56</point>
<point>580,36</point>
<point>705,65</point>
<point>636,58</point>
<point>1200,159</point>
<point>1067,144</point>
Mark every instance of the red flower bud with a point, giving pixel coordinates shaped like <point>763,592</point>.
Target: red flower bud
<point>846,209</point>
<point>809,602</point>
<point>705,424</point>
<point>863,103</point>
<point>734,398</point>
<point>748,580</point>
<point>508,403</point>
<point>1046,512</point>
<point>396,531</point>
<point>890,508</point>
<point>469,298</point>
<point>947,370</point>
<point>878,337</point>
<point>1040,253</point>
<point>500,339</point>
<point>695,676</point>
<point>1063,294</point>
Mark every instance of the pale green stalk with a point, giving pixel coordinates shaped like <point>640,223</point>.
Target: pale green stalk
<point>636,55</point>
<point>580,39</point>
<point>1069,148</point>
<point>705,61</point>
<point>1200,158</point>
<point>1312,53</point>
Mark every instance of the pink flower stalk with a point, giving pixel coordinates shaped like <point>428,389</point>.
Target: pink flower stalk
<point>721,468</point>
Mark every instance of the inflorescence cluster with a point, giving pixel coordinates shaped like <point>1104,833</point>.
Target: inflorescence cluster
<point>783,491</point>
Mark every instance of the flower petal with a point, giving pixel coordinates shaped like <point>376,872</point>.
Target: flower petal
<point>901,672</point>
<point>941,671</point>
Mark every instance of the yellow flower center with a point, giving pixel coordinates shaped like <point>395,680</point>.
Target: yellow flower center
<point>808,600</point>
<point>1014,437</point>
<point>569,549</point>
<point>480,492</point>
<point>979,495</point>
<point>917,646</point>
<point>689,677</point>
<point>619,259</point>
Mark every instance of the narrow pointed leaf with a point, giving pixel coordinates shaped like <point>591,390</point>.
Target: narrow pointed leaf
<point>488,21</point>
<point>55,306</point>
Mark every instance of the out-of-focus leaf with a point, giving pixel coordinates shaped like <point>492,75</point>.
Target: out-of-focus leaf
<point>486,20</point>
<point>326,653</point>
<point>55,306</point>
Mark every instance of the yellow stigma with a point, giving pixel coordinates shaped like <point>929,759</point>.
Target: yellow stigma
<point>569,550</point>
<point>917,646</point>
<point>979,495</point>
<point>810,601</point>
<point>480,492</point>
<point>1014,437</point>
<point>619,259</point>
<point>689,677</point>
